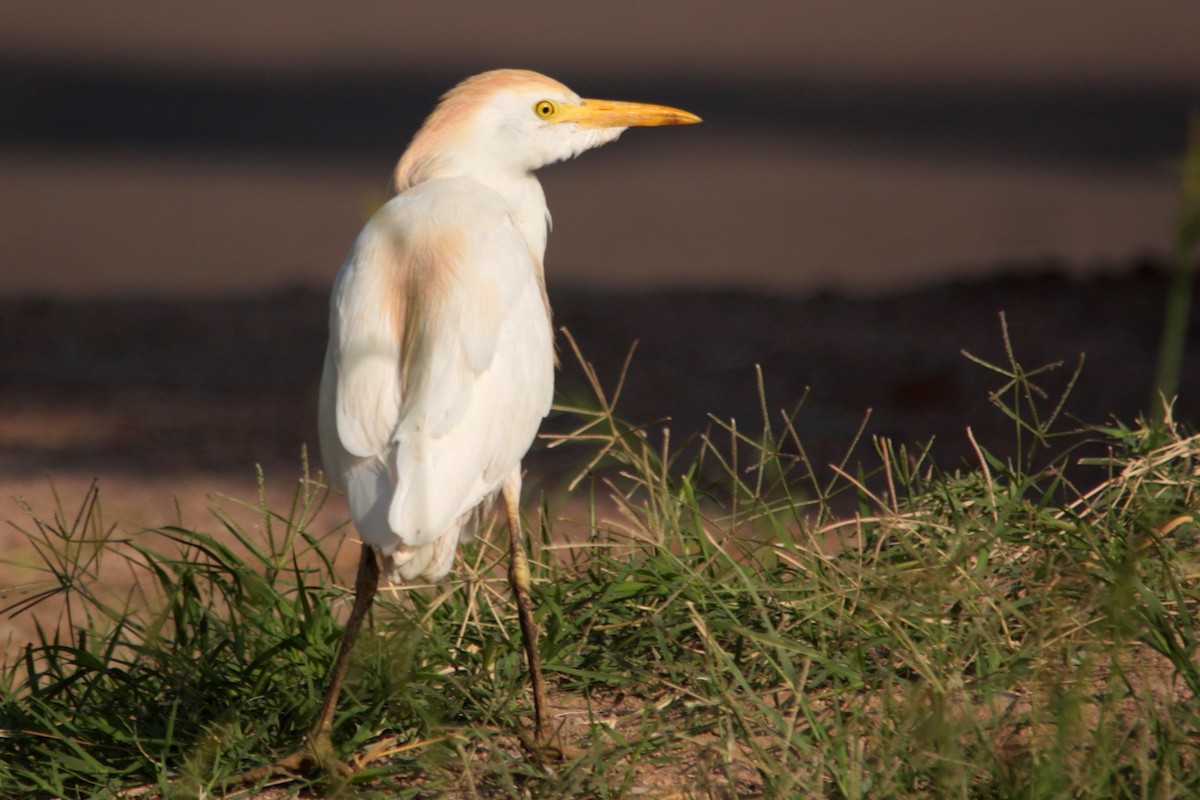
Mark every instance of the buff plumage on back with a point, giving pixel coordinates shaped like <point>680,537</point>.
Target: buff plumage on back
<point>431,342</point>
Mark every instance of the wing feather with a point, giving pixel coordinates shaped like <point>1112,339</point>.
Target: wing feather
<point>363,346</point>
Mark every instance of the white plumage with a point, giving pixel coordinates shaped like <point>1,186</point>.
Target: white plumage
<point>439,370</point>
<point>440,364</point>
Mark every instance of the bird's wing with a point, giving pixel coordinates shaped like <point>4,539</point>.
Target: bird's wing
<point>423,319</point>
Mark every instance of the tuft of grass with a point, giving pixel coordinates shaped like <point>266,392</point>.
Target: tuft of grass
<point>723,619</point>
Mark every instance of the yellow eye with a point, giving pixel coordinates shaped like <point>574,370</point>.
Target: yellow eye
<point>544,109</point>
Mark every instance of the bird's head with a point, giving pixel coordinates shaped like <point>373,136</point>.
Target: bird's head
<point>517,121</point>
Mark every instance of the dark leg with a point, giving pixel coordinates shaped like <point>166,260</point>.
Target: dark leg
<point>318,750</point>
<point>519,579</point>
<point>365,586</point>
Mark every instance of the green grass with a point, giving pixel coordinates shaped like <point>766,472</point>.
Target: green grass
<point>727,621</point>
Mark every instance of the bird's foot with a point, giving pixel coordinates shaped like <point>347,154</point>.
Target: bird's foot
<point>315,755</point>
<point>548,748</point>
<point>319,749</point>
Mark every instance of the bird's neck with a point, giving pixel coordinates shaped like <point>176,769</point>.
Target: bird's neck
<point>527,204</point>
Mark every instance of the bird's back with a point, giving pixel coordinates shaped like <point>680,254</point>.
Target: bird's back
<point>438,372</point>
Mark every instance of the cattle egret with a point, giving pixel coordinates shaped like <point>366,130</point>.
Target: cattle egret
<point>440,363</point>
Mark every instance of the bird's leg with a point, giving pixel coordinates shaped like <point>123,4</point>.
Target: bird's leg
<point>318,749</point>
<point>366,584</point>
<point>519,579</point>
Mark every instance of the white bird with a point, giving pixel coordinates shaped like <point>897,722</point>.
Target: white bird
<point>440,363</point>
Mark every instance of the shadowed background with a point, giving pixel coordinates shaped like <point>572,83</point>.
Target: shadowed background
<point>181,181</point>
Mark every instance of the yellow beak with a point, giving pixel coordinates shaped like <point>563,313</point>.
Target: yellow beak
<point>619,114</point>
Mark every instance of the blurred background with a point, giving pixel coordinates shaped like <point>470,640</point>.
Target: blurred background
<point>219,147</point>
<point>873,183</point>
